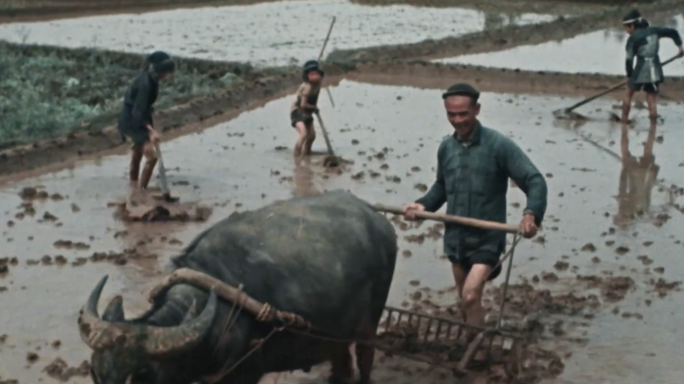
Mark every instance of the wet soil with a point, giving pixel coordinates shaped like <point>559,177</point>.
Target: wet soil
<point>61,91</point>
<point>576,7</point>
<point>174,121</point>
<point>503,38</point>
<point>595,52</point>
<point>607,302</point>
<point>20,11</point>
<point>16,10</point>
<point>440,76</point>
<point>94,139</point>
<point>19,162</point>
<point>219,33</point>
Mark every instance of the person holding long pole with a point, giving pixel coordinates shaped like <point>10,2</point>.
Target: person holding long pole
<point>135,118</point>
<point>473,168</point>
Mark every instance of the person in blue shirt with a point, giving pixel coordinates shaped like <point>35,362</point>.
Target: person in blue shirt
<point>644,43</point>
<point>473,168</point>
<point>135,118</point>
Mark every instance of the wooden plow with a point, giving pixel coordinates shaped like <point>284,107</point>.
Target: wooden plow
<point>441,341</point>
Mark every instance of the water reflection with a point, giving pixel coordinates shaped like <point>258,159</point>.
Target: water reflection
<point>302,178</point>
<point>637,178</point>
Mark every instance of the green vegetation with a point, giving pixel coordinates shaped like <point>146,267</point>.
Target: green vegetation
<point>48,92</point>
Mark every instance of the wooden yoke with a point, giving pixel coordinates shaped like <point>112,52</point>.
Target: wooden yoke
<point>263,311</point>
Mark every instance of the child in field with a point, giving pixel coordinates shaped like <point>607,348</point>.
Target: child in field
<point>302,110</point>
<point>135,118</point>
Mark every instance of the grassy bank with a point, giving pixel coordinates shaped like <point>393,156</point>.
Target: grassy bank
<point>48,92</point>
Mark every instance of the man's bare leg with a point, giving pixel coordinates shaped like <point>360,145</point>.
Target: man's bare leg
<point>627,104</point>
<point>472,294</point>
<point>652,106</point>
<point>459,278</point>
<point>301,130</point>
<point>134,170</point>
<point>310,137</point>
<point>150,162</point>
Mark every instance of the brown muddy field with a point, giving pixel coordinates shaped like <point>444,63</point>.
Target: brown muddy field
<point>605,294</point>
<point>19,10</point>
<point>599,286</point>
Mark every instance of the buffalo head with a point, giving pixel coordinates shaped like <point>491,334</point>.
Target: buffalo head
<point>125,352</point>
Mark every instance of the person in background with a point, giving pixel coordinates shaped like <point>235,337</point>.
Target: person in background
<point>644,43</point>
<point>302,110</point>
<point>135,118</point>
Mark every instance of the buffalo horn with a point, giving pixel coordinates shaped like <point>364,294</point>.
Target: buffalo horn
<point>166,341</point>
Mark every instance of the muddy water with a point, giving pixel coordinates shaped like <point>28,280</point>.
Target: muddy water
<point>276,33</point>
<point>596,52</point>
<point>246,163</point>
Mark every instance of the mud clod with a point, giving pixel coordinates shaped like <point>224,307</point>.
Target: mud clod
<point>561,266</point>
<point>47,216</point>
<point>589,247</point>
<point>61,371</point>
<point>549,277</point>
<point>621,250</point>
<point>663,287</point>
<point>645,260</point>
<point>143,213</point>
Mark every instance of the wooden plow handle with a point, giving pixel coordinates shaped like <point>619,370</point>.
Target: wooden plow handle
<point>482,224</point>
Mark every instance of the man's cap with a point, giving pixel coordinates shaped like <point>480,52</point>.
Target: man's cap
<point>631,17</point>
<point>161,62</point>
<point>462,89</point>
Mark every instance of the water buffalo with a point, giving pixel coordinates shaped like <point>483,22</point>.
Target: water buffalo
<point>328,258</point>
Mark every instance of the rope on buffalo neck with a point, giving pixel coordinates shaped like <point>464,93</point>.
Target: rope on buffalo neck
<point>225,371</point>
<point>262,316</point>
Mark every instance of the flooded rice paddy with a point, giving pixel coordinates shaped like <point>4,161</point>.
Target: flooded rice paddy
<point>273,33</point>
<point>595,52</point>
<point>391,134</point>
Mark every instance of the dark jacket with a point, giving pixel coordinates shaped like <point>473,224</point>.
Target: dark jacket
<point>472,178</point>
<point>137,108</point>
<point>644,43</point>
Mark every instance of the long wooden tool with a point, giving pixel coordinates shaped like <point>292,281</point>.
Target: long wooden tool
<point>327,37</point>
<point>320,56</point>
<point>483,224</point>
<point>567,112</point>
<point>331,160</point>
<point>166,194</point>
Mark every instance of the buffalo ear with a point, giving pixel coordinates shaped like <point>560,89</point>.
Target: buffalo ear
<point>114,311</point>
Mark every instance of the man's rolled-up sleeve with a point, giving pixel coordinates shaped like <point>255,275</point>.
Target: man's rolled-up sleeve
<point>528,178</point>
<point>436,196</point>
